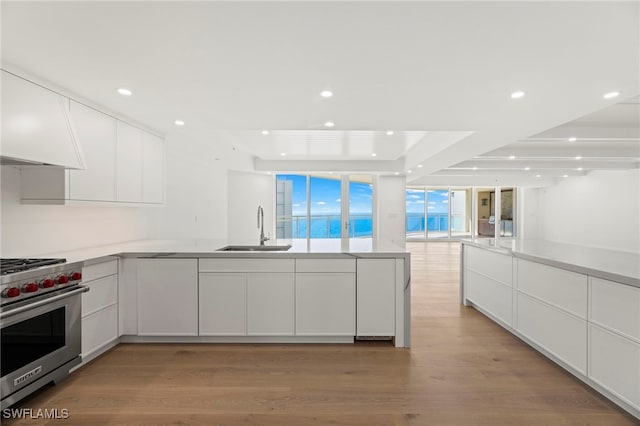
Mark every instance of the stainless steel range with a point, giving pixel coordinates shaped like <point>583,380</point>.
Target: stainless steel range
<point>40,312</point>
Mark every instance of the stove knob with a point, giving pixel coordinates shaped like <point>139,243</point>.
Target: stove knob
<point>10,292</point>
<point>29,287</point>
<point>62,279</point>
<point>47,283</point>
<point>75,276</point>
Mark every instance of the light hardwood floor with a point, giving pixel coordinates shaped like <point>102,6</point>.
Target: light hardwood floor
<point>461,370</point>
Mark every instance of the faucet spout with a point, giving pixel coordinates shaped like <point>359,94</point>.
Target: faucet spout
<point>261,225</point>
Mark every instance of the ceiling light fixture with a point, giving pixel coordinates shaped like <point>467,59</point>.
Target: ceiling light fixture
<point>326,93</point>
<point>538,176</point>
<point>179,123</point>
<point>579,169</point>
<point>409,171</point>
<point>512,157</point>
<point>125,92</point>
<point>565,176</point>
<point>419,166</point>
<point>527,168</point>
<point>265,132</point>
<point>611,95</point>
<point>389,132</point>
<point>373,154</point>
<point>517,95</point>
<point>578,157</point>
<point>282,154</point>
<point>329,124</point>
<point>397,173</point>
<point>572,139</point>
<point>475,168</point>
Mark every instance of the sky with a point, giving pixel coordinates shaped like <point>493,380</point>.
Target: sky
<point>326,196</point>
<point>437,200</point>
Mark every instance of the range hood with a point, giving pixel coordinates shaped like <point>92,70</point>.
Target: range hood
<point>36,126</point>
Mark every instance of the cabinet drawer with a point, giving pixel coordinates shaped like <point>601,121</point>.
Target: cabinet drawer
<point>564,289</point>
<point>614,362</point>
<point>615,306</point>
<point>562,334</point>
<point>494,265</point>
<point>99,328</point>
<point>494,297</point>
<point>246,265</point>
<point>325,304</point>
<point>102,293</point>
<point>99,270</point>
<point>325,265</point>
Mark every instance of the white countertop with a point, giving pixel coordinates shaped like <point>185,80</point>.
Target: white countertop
<point>359,247</point>
<point>619,266</point>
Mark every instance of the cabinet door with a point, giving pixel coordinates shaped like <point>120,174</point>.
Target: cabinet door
<point>325,304</point>
<point>168,297</point>
<point>223,304</point>
<point>129,163</point>
<point>270,304</point>
<point>152,169</point>
<point>99,329</point>
<point>97,135</point>
<point>376,300</point>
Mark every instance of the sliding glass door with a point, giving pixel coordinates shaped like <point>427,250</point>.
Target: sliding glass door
<point>437,213</point>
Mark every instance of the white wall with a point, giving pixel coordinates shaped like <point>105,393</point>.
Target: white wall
<point>247,191</point>
<point>390,208</point>
<point>32,230</point>
<point>601,209</point>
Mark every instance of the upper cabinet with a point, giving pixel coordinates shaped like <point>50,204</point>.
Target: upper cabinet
<point>36,125</point>
<point>124,165</point>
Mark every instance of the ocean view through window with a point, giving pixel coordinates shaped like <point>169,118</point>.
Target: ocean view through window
<point>311,206</point>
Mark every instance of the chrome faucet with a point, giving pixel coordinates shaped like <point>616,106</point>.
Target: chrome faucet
<point>261,225</point>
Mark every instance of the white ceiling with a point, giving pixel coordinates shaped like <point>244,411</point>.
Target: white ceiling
<point>439,74</point>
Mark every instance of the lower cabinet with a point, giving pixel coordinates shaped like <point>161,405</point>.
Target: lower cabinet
<point>376,301</point>
<point>168,297</point>
<point>270,304</point>
<point>222,304</point>
<point>99,308</point>
<point>325,304</point>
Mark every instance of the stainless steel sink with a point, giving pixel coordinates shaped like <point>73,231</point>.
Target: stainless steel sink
<point>255,248</point>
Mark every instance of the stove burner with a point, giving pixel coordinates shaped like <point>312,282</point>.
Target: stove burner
<point>10,266</point>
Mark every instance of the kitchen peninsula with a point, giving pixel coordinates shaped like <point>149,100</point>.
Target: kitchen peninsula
<point>577,305</point>
<point>322,291</point>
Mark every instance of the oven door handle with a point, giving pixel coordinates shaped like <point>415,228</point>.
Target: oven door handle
<point>16,311</point>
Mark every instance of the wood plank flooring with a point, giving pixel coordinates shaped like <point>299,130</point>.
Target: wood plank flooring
<point>461,370</point>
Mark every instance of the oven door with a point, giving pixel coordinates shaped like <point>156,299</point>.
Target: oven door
<point>38,336</point>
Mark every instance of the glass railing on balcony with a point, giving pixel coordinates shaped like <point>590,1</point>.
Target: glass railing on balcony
<point>323,226</point>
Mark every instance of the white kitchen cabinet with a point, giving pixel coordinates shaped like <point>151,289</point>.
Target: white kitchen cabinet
<point>614,363</point>
<point>616,307</point>
<point>167,297</point>
<point>325,304</point>
<point>270,304</point>
<point>99,309</point>
<point>562,334</point>
<point>489,282</point>
<point>97,135</point>
<point>129,163</point>
<point>375,297</point>
<point>222,304</point>
<point>36,125</point>
<point>152,169</point>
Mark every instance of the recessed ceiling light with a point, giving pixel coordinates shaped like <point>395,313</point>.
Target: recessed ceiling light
<point>268,173</point>
<point>265,132</point>
<point>578,157</point>
<point>565,176</point>
<point>282,154</point>
<point>527,168</point>
<point>579,169</point>
<point>397,173</point>
<point>572,139</point>
<point>475,168</point>
<point>125,92</point>
<point>373,154</point>
<point>389,132</point>
<point>179,123</point>
<point>329,124</point>
<point>409,171</point>
<point>512,157</point>
<point>611,95</point>
<point>517,95</point>
<point>538,175</point>
<point>326,93</point>
<point>419,166</point>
